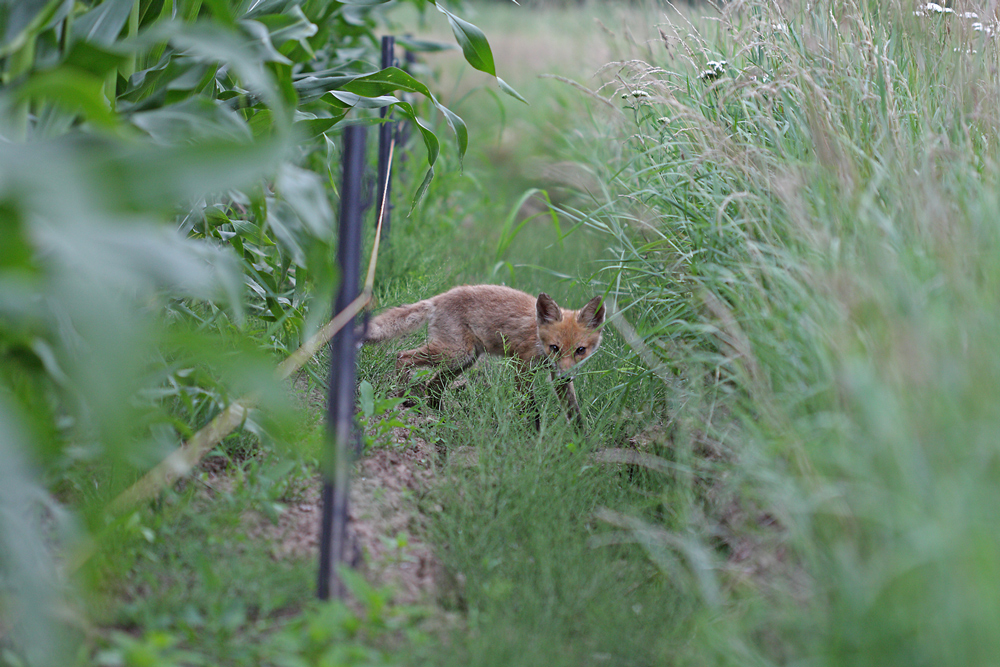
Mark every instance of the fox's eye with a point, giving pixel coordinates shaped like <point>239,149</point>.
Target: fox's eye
<point>554,348</point>
<point>581,350</point>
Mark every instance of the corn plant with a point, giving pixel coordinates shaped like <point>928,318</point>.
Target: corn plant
<point>167,169</point>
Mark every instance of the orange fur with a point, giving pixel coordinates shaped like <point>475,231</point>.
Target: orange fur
<point>466,322</point>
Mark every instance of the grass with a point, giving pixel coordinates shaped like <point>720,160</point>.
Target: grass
<point>532,568</point>
<point>804,245</point>
<point>792,231</point>
<point>801,389</point>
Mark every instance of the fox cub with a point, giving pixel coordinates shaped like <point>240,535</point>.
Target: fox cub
<point>466,322</point>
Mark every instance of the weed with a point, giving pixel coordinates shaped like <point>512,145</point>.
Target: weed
<point>784,224</point>
<point>378,415</point>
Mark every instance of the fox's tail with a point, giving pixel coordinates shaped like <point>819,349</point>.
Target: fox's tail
<point>395,322</point>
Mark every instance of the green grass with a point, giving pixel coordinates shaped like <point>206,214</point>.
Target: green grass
<point>804,254</point>
<point>236,592</point>
<point>809,237</point>
<point>807,248</point>
<point>537,576</point>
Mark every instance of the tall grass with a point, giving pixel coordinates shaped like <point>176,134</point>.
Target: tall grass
<point>806,235</point>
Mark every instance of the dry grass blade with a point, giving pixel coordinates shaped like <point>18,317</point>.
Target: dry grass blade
<point>632,457</point>
<point>185,457</point>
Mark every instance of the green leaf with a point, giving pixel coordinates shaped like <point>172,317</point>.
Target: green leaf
<point>392,79</point>
<point>72,90</point>
<point>313,87</point>
<point>430,139</point>
<point>262,7</point>
<point>15,252</point>
<point>384,82</point>
<point>53,122</point>
<point>260,123</point>
<point>342,99</point>
<point>211,43</point>
<point>476,49</point>
<point>419,194</point>
<point>290,26</point>
<point>474,44</point>
<point>183,171</point>
<point>287,227</point>
<point>24,19</point>
<point>304,192</point>
<point>90,57</point>
<point>221,11</point>
<point>261,42</point>
<point>366,398</point>
<point>196,118</point>
<point>458,127</point>
<point>510,91</point>
<point>149,257</point>
<point>102,24</point>
<point>142,82</point>
<point>313,127</point>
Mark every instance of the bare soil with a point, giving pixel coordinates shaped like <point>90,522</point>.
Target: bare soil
<point>385,520</point>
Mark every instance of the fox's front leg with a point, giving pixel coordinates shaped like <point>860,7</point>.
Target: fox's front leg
<point>405,363</point>
<point>450,361</point>
<point>567,394</point>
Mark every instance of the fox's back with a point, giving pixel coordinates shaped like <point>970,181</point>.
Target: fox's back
<point>494,318</point>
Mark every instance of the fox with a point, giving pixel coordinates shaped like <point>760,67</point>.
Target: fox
<point>469,321</point>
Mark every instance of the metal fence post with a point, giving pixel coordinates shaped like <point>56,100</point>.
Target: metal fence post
<point>384,139</point>
<point>333,548</point>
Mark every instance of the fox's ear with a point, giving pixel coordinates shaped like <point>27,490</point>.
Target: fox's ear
<point>592,315</point>
<point>548,310</point>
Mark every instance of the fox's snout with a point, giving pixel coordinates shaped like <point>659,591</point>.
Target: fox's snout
<point>564,367</point>
<point>564,363</point>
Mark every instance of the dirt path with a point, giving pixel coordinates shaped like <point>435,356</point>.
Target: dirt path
<point>385,520</point>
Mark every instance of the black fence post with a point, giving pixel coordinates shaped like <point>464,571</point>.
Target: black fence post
<point>382,198</point>
<point>333,547</point>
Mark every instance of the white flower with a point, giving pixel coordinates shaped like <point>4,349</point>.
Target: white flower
<point>935,8</point>
<point>716,68</point>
